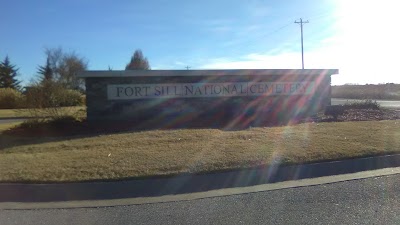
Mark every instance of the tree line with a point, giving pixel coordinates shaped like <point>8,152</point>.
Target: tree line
<point>62,68</point>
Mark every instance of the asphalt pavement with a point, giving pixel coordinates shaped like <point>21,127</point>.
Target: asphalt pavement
<point>364,201</point>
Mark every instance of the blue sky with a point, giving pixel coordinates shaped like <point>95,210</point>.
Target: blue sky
<point>357,37</point>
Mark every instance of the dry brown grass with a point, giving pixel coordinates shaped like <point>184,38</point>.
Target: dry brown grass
<point>40,112</point>
<point>148,153</point>
<point>5,126</point>
<point>13,113</point>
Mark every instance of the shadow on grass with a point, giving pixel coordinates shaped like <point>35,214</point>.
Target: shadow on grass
<point>69,128</point>
<point>35,132</point>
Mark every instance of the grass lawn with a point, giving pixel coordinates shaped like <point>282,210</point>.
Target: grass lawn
<point>25,112</point>
<point>161,152</point>
<point>13,113</point>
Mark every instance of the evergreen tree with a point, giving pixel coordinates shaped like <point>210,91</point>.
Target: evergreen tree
<point>8,75</point>
<point>138,62</point>
<point>46,72</point>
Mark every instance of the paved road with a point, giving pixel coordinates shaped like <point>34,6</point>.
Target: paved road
<point>383,103</point>
<point>366,201</point>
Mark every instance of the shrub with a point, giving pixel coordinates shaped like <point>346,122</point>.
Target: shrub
<point>59,122</point>
<point>30,123</point>
<point>337,110</point>
<point>51,94</point>
<point>83,99</point>
<point>71,98</point>
<point>10,98</point>
<point>334,111</point>
<point>51,99</point>
<point>364,104</point>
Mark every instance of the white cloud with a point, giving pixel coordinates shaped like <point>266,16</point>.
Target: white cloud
<point>260,11</point>
<point>254,61</point>
<point>355,64</point>
<point>221,29</point>
<point>215,26</point>
<point>179,63</point>
<point>257,9</point>
<point>365,49</point>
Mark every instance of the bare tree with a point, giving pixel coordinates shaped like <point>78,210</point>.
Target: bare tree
<point>69,67</point>
<point>65,67</point>
<point>54,57</point>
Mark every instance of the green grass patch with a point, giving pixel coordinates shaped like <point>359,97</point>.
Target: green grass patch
<point>167,152</point>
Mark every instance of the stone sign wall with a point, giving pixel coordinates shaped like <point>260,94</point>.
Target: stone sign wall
<point>213,97</point>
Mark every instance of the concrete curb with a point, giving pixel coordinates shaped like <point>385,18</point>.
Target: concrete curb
<point>12,194</point>
<point>201,195</point>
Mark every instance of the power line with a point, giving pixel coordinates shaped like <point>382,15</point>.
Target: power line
<point>259,37</point>
<point>276,30</point>
<point>323,14</point>
<point>301,22</point>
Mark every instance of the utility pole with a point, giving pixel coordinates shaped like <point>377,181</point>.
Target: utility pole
<point>302,50</point>
<point>187,67</point>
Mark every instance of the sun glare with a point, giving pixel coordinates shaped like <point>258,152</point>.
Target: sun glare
<point>366,39</point>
